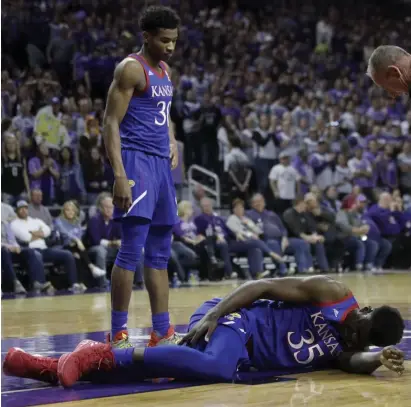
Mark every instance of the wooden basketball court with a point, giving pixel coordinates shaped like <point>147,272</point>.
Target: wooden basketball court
<point>54,325</point>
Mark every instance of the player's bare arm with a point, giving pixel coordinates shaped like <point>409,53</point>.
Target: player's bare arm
<point>367,362</point>
<point>171,133</point>
<point>314,289</point>
<point>128,77</point>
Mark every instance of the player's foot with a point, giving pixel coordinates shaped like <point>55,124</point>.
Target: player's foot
<point>84,359</point>
<point>120,340</point>
<point>172,338</point>
<point>21,364</point>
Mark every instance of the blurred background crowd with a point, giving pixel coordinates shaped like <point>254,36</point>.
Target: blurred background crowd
<point>314,162</point>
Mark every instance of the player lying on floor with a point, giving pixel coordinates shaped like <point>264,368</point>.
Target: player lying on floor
<point>312,322</point>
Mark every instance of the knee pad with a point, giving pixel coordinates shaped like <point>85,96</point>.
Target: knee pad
<point>134,234</point>
<point>158,247</point>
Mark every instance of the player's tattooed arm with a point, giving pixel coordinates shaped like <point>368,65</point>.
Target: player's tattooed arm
<point>128,77</point>
<point>367,362</point>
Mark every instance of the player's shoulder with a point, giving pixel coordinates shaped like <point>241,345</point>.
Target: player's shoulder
<point>326,289</point>
<point>129,72</point>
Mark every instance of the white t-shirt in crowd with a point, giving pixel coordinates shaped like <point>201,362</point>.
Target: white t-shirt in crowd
<point>22,228</point>
<point>286,178</point>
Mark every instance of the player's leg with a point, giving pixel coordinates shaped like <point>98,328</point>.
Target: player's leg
<point>157,252</point>
<point>134,234</point>
<point>156,255</point>
<point>216,361</point>
<point>18,363</point>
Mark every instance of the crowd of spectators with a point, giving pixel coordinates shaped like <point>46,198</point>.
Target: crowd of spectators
<point>271,96</point>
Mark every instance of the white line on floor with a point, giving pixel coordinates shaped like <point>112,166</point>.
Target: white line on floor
<point>23,390</point>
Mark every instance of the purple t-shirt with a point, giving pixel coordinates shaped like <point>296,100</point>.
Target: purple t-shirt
<point>185,229</point>
<point>46,181</point>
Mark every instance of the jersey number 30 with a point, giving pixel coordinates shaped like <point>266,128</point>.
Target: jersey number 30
<point>164,113</point>
<point>305,341</point>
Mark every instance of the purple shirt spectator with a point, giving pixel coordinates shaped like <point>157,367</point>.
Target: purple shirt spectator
<point>46,182</point>
<point>208,225</point>
<point>98,229</point>
<point>185,230</point>
<point>357,167</point>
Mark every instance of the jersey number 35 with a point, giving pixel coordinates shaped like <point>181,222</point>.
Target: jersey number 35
<point>308,348</point>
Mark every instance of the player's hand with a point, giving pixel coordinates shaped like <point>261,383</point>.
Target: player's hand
<point>204,328</point>
<point>122,193</point>
<point>393,359</point>
<point>173,155</point>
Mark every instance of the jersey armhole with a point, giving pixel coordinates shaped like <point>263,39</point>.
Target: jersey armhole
<point>331,303</point>
<point>138,93</point>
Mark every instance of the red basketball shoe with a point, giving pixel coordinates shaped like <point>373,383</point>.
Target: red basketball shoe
<point>21,364</point>
<point>86,358</point>
<point>172,338</point>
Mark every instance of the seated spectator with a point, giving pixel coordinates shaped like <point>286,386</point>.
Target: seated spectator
<point>362,173</point>
<point>36,208</point>
<point>299,226</point>
<point>285,183</point>
<point>351,198</point>
<point>300,163</point>
<point>387,216</point>
<point>95,177</point>
<point>401,258</point>
<point>44,173</point>
<point>322,162</point>
<point>14,179</point>
<point>248,232</point>
<point>374,234</point>
<point>185,234</point>
<point>327,227</point>
<point>11,252</point>
<point>213,226</point>
<point>342,177</point>
<point>330,200</point>
<point>71,232</point>
<point>404,165</point>
<point>238,168</point>
<point>71,185</point>
<point>103,235</point>
<point>32,232</point>
<point>183,261</point>
<point>357,243</point>
<point>197,195</point>
<point>276,236</point>
<point>387,169</point>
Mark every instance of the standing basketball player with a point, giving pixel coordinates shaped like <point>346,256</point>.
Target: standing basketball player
<point>390,68</point>
<point>140,143</point>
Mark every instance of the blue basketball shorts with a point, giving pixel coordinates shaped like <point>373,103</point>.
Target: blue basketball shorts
<point>152,188</point>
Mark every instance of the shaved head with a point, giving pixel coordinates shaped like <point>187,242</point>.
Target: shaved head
<point>389,67</point>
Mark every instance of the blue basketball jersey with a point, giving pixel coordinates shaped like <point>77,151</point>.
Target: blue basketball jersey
<point>146,122</point>
<point>290,335</point>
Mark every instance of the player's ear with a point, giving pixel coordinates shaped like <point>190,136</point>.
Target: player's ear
<point>393,72</point>
<point>146,36</point>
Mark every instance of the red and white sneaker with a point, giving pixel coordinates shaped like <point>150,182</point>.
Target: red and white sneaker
<point>22,364</point>
<point>86,358</point>
<point>172,338</point>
